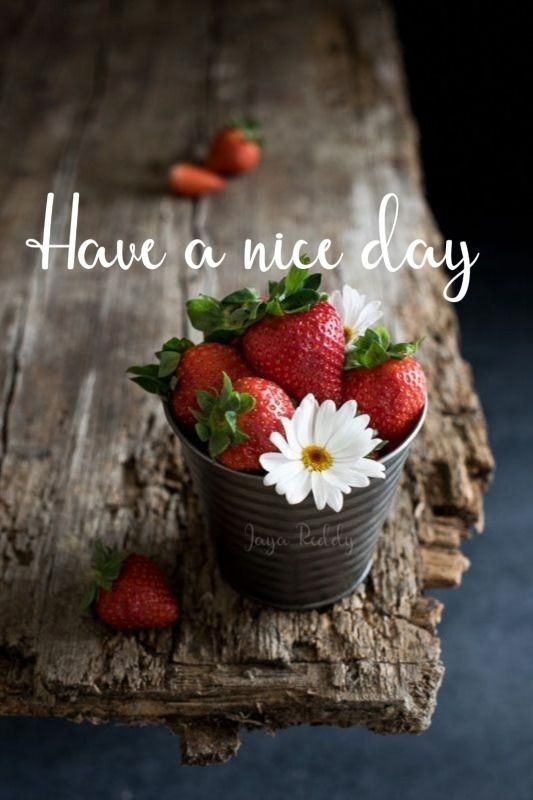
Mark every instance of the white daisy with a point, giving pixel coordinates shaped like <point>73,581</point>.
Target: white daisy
<point>323,451</point>
<point>356,313</point>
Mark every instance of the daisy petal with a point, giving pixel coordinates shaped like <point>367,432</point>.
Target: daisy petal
<point>283,473</point>
<point>277,439</point>
<point>270,461</point>
<point>352,477</point>
<point>324,422</point>
<point>298,487</point>
<point>303,420</point>
<point>335,499</point>
<point>331,477</point>
<point>319,487</point>
<point>352,442</point>
<point>288,427</point>
<point>374,469</point>
<point>355,311</point>
<point>368,316</point>
<point>336,301</point>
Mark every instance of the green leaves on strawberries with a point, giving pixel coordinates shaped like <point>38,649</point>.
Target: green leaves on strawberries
<point>160,378</point>
<point>217,419</point>
<point>374,347</point>
<point>106,567</point>
<point>223,320</point>
<point>297,291</point>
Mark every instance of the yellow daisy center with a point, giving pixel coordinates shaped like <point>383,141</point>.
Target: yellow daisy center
<point>316,458</point>
<point>348,334</point>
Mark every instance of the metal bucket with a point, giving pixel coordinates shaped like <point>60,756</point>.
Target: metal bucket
<point>291,557</point>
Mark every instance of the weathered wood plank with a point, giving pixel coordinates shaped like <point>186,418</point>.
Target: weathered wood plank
<point>83,455</point>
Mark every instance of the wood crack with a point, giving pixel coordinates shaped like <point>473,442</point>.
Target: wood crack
<point>13,370</point>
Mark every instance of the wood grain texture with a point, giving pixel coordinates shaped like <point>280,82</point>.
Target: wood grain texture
<point>101,106</point>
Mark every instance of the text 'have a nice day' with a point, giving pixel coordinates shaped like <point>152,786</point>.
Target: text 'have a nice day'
<point>377,252</point>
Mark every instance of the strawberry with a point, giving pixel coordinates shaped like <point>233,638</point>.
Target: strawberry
<point>184,369</point>
<point>293,338</point>
<point>387,383</point>
<point>237,422</point>
<point>192,181</point>
<point>302,352</point>
<point>202,368</point>
<point>235,149</point>
<point>130,592</point>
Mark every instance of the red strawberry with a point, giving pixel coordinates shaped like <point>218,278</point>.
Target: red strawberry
<point>192,181</point>
<point>185,369</point>
<point>238,422</point>
<point>303,352</point>
<point>235,149</point>
<point>291,337</point>
<point>130,592</point>
<point>202,368</point>
<point>388,384</point>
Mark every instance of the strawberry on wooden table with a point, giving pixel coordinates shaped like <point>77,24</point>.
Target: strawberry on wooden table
<point>294,337</point>
<point>130,592</point>
<point>387,383</point>
<point>237,423</point>
<point>184,369</point>
<point>235,149</point>
<point>189,180</point>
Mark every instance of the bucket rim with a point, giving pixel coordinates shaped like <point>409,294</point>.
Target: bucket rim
<point>253,476</point>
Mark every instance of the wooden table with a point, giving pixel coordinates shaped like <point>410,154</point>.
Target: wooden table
<point>99,99</point>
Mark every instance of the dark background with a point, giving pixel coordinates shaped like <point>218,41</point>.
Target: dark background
<point>468,65</point>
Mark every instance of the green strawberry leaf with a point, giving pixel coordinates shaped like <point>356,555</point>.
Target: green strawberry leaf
<point>313,281</point>
<point>223,321</point>
<point>218,419</point>
<point>249,128</point>
<point>202,431</point>
<point>218,442</point>
<point>148,370</point>
<point>205,400</point>
<point>222,335</point>
<point>274,308</point>
<point>294,279</point>
<point>297,291</point>
<point>106,567</point>
<point>381,335</point>
<point>151,385</point>
<point>404,349</point>
<point>160,378</point>
<point>275,288</point>
<point>240,296</point>
<point>169,360</point>
<point>374,348</point>
<point>178,345</point>
<point>231,418</point>
<point>300,300</point>
<point>247,402</point>
<point>205,313</point>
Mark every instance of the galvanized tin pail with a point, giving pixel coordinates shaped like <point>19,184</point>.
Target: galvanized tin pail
<point>290,557</point>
